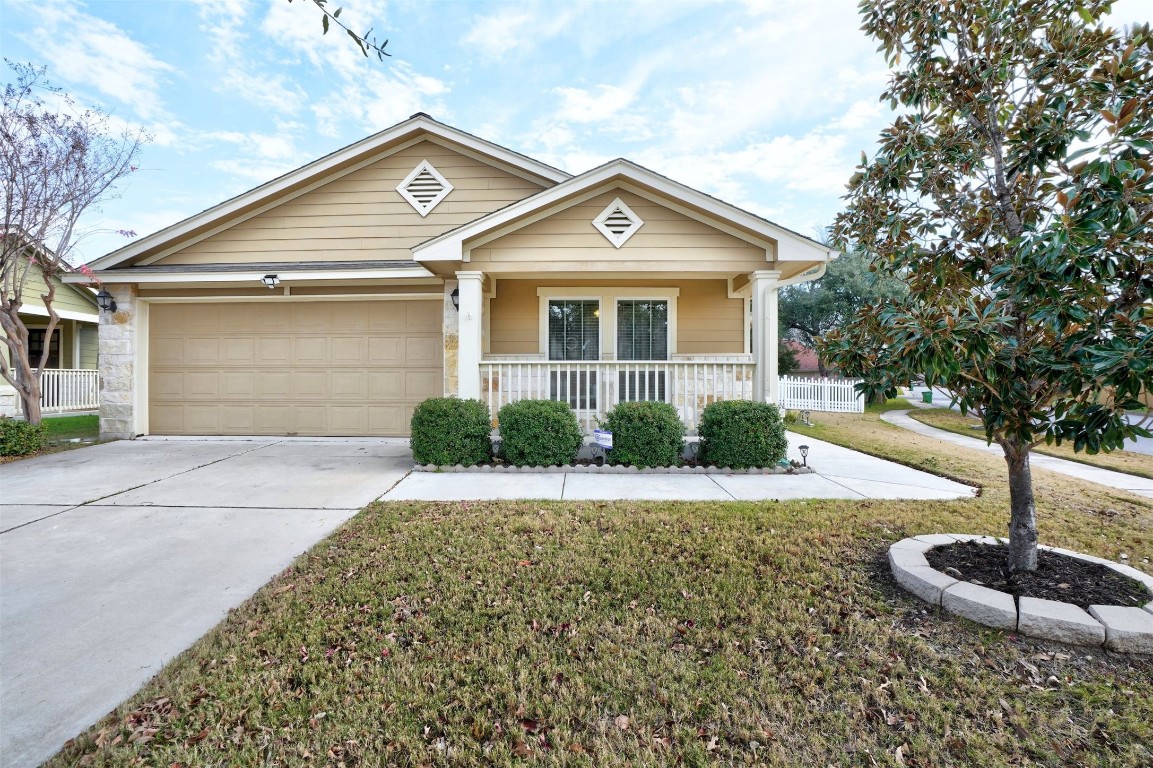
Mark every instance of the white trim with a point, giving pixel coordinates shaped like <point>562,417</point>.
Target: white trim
<point>786,245</point>
<point>277,298</point>
<point>114,277</point>
<point>608,296</point>
<point>618,206</point>
<point>325,170</point>
<point>424,166</point>
<point>140,379</point>
<point>76,345</point>
<point>63,314</point>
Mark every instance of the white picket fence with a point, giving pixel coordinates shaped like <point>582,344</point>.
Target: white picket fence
<point>796,393</point>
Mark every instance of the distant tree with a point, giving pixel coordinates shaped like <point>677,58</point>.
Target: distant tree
<point>1015,192</point>
<point>366,42</point>
<point>810,310</point>
<point>58,163</point>
<point>787,361</point>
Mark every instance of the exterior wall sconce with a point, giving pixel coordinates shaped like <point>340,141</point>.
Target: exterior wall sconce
<point>105,301</point>
<point>804,449</point>
<point>271,281</point>
<point>455,296</point>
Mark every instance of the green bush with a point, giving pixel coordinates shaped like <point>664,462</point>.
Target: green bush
<point>19,438</point>
<point>448,430</point>
<point>538,433</point>
<point>742,434</point>
<point>646,434</point>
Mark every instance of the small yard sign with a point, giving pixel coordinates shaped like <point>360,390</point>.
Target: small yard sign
<point>603,438</point>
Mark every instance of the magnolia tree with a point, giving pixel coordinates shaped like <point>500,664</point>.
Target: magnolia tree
<point>58,162</point>
<point>1015,194</point>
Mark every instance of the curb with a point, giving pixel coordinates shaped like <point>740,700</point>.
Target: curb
<point>1118,628</point>
<point>611,469</point>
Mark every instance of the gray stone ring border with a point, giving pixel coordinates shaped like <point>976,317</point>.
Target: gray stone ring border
<point>1118,628</point>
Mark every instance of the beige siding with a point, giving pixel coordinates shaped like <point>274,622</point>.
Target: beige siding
<point>708,321</point>
<point>668,240</point>
<point>361,216</point>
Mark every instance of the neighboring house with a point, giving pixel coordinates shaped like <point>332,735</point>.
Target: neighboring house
<point>424,261</point>
<point>807,365</point>
<point>73,350</point>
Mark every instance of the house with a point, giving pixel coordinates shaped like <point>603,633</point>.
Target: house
<point>70,379</point>
<point>424,261</point>
<point>807,364</point>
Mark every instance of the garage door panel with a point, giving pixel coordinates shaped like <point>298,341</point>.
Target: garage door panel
<point>424,316</point>
<point>310,350</point>
<point>308,368</point>
<point>309,385</point>
<point>422,351</point>
<point>274,350</point>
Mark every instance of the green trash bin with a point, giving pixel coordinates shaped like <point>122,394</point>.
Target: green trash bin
<point>927,396</point>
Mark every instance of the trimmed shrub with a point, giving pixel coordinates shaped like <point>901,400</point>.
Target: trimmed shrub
<point>646,434</point>
<point>538,433</point>
<point>19,438</point>
<point>448,430</point>
<point>741,434</point>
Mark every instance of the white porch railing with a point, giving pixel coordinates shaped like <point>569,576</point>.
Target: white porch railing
<point>592,388</point>
<point>801,394</point>
<point>66,389</point>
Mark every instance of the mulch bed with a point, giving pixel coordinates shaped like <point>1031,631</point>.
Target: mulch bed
<point>1057,577</point>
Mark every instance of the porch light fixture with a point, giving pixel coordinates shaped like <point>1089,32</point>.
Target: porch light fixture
<point>105,301</point>
<point>455,296</point>
<point>804,449</point>
<point>271,281</point>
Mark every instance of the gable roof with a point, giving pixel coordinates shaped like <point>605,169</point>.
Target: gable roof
<point>418,127</point>
<point>625,174</point>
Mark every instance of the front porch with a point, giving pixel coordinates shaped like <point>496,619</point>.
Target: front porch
<point>595,343</point>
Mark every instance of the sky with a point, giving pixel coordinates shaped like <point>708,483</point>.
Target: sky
<point>766,104</point>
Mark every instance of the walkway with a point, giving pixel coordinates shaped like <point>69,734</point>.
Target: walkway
<point>841,473</point>
<point>1118,480</point>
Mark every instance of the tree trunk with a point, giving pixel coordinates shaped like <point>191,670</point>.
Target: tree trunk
<point>821,369</point>
<point>1023,519</point>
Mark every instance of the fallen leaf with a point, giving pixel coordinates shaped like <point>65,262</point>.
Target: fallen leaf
<point>622,722</point>
<point>522,750</point>
<point>899,754</point>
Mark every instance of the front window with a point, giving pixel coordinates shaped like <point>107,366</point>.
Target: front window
<point>642,329</point>
<point>574,329</point>
<point>36,348</point>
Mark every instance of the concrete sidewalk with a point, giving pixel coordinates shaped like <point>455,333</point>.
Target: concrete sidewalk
<point>1118,480</point>
<point>840,474</point>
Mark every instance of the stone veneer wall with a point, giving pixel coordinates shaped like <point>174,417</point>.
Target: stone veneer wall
<point>118,365</point>
<point>451,341</point>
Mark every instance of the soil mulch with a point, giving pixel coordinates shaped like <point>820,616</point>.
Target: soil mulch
<point>1057,577</point>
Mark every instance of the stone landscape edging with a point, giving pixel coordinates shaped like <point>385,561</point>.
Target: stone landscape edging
<point>612,469</point>
<point>1118,628</point>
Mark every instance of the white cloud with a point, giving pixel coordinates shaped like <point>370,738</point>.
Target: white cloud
<point>516,30</point>
<point>96,53</point>
<point>579,105</point>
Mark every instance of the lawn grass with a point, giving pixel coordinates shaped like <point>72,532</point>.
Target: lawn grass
<point>606,634</point>
<point>1120,461</point>
<point>73,427</point>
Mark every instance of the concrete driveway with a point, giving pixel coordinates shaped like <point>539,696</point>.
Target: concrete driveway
<point>117,557</point>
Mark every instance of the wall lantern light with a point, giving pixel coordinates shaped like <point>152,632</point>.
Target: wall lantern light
<point>804,449</point>
<point>105,301</point>
<point>271,281</point>
<point>455,296</point>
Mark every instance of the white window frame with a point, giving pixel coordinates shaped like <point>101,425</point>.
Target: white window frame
<point>623,237</point>
<point>585,296</point>
<point>420,207</point>
<point>607,297</point>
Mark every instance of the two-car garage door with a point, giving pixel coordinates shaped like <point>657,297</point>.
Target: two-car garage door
<point>336,368</point>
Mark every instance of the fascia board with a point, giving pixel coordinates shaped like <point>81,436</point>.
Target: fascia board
<point>117,277</point>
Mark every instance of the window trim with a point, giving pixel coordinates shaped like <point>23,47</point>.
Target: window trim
<point>607,296</point>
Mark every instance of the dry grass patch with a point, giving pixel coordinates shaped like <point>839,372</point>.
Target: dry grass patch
<point>645,634</point>
<point>1120,461</point>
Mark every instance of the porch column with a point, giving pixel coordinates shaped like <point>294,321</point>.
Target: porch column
<point>764,308</point>
<point>470,330</point>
